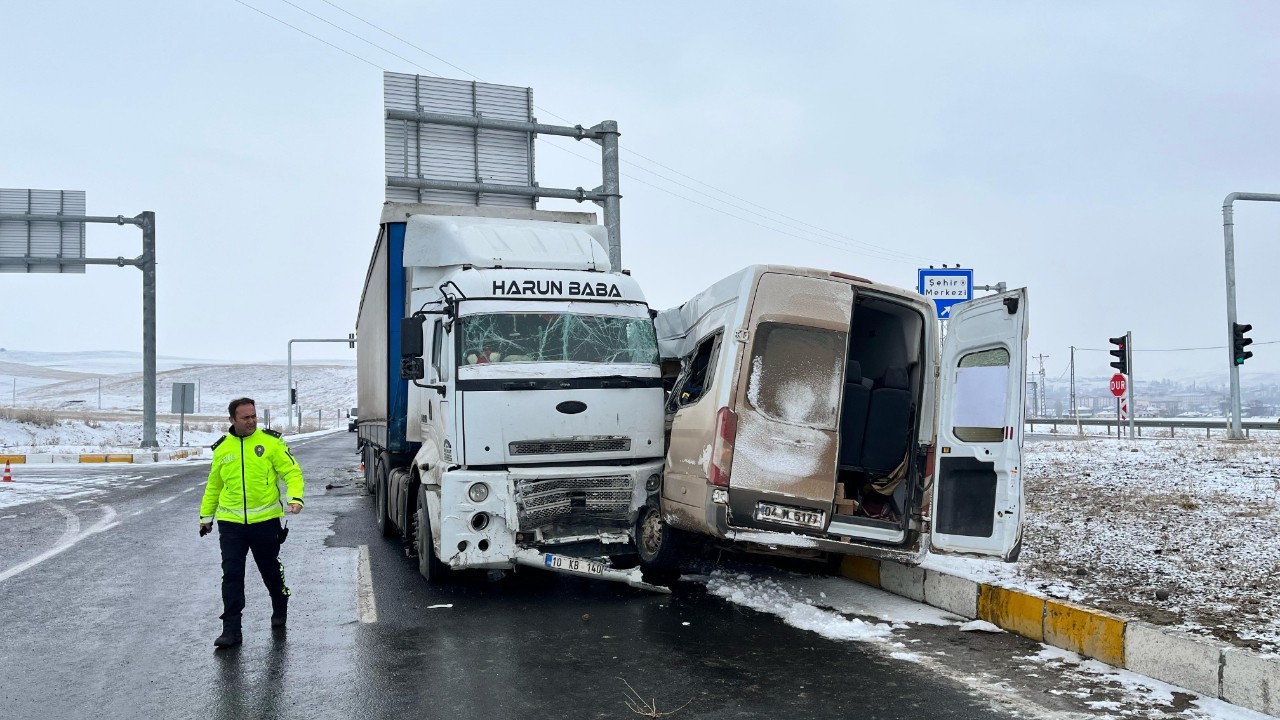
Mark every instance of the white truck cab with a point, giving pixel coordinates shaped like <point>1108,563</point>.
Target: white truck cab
<point>534,411</point>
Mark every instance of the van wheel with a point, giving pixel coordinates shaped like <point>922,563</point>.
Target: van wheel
<point>382,490</point>
<point>429,567</point>
<point>660,547</point>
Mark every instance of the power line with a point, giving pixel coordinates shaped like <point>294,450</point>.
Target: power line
<point>1213,347</point>
<point>736,217</point>
<point>397,37</point>
<point>869,249</point>
<point>368,42</point>
<point>313,37</point>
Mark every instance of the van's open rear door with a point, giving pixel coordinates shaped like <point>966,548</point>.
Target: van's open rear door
<point>977,485</point>
<point>792,380</point>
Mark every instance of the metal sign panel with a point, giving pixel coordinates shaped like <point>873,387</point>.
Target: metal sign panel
<point>946,288</point>
<point>417,150</point>
<point>44,239</point>
<point>184,398</point>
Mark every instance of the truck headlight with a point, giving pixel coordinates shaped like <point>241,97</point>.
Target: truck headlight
<point>478,492</point>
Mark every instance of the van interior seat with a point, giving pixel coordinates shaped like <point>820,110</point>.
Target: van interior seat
<point>853,415</point>
<point>888,424</point>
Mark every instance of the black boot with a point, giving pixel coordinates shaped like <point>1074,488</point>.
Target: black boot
<point>230,636</point>
<point>279,611</point>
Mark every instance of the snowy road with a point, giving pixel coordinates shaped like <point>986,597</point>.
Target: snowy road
<point>77,483</point>
<point>109,600</point>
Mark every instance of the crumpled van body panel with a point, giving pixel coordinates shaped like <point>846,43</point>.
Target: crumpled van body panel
<point>804,413</point>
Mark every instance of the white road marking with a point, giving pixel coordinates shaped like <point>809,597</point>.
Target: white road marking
<point>366,606</point>
<point>104,523</point>
<point>187,490</point>
<point>73,524</point>
<point>169,499</point>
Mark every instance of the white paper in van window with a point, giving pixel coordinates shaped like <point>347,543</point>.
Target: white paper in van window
<point>980,396</point>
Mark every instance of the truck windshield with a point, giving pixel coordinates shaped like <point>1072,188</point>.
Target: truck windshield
<point>557,337</point>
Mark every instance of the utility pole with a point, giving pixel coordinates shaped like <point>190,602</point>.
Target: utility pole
<point>1041,387</point>
<point>99,393</point>
<point>1074,411</point>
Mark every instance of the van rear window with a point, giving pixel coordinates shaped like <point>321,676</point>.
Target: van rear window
<point>797,374</point>
<point>982,380</point>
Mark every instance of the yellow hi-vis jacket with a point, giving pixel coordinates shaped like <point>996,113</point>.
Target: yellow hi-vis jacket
<point>243,486</point>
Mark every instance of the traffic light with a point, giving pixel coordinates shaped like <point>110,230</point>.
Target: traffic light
<point>1121,353</point>
<point>293,396</point>
<point>1238,342</point>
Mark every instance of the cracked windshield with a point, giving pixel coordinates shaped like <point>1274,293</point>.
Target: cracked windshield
<point>557,337</point>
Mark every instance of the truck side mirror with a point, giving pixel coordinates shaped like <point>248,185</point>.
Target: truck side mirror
<point>411,337</point>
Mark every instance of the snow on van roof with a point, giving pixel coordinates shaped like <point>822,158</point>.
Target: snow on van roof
<point>440,241</point>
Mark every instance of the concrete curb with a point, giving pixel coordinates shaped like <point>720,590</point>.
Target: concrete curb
<point>1203,666</point>
<point>137,457</point>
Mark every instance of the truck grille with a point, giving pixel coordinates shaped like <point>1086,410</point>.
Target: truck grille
<point>542,502</point>
<point>553,447</point>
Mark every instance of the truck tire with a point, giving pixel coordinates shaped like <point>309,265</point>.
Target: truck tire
<point>383,490</point>
<point>429,566</point>
<point>660,547</point>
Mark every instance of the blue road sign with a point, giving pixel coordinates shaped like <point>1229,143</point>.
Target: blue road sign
<point>946,288</point>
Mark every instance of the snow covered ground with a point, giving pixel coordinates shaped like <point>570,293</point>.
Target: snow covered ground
<point>92,401</point>
<point>1178,532</point>
<point>113,381</point>
<point>840,610</point>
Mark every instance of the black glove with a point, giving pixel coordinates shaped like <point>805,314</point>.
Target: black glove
<point>205,530</point>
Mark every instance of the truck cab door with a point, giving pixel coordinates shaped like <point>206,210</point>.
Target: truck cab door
<point>977,486</point>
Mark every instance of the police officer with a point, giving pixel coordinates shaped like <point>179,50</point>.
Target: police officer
<point>243,495</point>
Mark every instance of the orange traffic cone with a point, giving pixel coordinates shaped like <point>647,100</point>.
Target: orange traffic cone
<point>8,477</point>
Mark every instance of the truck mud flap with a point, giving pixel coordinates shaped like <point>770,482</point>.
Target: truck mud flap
<point>584,568</point>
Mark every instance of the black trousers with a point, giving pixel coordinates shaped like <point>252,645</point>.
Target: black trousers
<point>237,541</point>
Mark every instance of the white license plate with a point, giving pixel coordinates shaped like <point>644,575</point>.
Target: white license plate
<point>789,515</point>
<point>572,564</point>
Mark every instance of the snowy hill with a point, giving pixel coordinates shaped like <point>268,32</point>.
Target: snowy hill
<point>113,381</point>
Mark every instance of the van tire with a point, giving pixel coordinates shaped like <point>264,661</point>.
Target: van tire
<point>660,547</point>
<point>385,527</point>
<point>429,566</point>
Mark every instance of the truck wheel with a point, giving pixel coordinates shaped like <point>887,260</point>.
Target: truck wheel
<point>661,548</point>
<point>384,523</point>
<point>429,567</point>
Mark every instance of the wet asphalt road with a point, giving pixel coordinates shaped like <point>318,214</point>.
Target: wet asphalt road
<point>120,624</point>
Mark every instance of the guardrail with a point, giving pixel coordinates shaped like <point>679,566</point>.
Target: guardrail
<point>1060,425</point>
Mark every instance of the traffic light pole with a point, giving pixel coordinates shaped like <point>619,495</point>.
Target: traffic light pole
<point>1128,387</point>
<point>350,339</point>
<point>1228,238</point>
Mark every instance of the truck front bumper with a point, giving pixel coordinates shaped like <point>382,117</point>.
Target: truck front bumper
<point>486,527</point>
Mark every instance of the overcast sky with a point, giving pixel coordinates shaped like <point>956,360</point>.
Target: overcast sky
<point>1080,149</point>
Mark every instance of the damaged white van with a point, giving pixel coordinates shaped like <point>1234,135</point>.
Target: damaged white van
<point>812,411</point>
